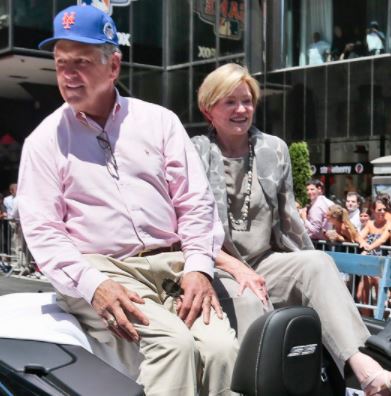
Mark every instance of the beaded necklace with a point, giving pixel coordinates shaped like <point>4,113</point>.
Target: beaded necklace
<point>241,224</point>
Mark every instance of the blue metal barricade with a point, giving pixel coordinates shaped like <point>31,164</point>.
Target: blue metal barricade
<point>350,262</point>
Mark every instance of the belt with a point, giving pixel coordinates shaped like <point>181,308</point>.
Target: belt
<point>176,247</point>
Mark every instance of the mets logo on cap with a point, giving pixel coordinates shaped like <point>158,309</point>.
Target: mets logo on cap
<point>106,5</point>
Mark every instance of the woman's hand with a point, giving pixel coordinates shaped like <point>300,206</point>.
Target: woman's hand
<point>244,275</point>
<point>365,246</point>
<point>248,278</point>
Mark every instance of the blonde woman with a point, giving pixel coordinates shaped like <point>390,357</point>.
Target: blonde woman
<point>267,251</point>
<point>343,229</point>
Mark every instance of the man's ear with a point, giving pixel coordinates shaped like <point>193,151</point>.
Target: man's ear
<point>116,64</point>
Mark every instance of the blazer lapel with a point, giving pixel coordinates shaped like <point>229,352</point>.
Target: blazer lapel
<point>216,177</point>
<point>266,167</point>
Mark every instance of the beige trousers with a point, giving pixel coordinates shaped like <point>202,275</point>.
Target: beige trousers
<point>308,278</point>
<point>175,360</point>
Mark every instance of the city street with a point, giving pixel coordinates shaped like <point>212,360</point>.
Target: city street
<point>14,284</point>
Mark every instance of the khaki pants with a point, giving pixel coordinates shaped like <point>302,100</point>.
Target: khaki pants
<point>175,360</point>
<point>308,278</point>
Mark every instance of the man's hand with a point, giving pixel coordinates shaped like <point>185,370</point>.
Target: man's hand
<point>199,297</point>
<point>114,303</point>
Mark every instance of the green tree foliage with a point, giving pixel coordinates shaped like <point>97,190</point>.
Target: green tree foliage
<point>301,171</point>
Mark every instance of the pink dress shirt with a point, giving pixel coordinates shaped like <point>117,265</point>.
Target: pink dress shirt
<point>316,222</point>
<point>70,205</point>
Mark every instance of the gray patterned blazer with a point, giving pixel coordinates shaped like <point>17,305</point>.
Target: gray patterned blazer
<point>275,177</point>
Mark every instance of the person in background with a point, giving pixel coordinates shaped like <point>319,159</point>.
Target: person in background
<point>376,232</point>
<point>375,39</point>
<point>12,243</point>
<point>365,216</point>
<point>119,216</point>
<point>386,200</point>
<point>318,51</point>
<point>353,50</point>
<point>338,43</point>
<point>267,254</point>
<point>314,217</point>
<point>9,200</point>
<point>343,229</point>
<point>352,204</point>
<point>3,209</point>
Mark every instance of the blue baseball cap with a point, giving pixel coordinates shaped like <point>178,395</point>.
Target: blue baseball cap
<point>84,24</point>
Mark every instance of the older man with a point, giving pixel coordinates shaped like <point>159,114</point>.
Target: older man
<point>118,215</point>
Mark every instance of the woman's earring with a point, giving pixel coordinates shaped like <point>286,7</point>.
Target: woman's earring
<point>210,128</point>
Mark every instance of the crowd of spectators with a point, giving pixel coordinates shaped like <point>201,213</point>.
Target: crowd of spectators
<point>355,220</point>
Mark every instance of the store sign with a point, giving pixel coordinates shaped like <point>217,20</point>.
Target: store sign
<point>231,23</point>
<point>106,5</point>
<point>351,168</point>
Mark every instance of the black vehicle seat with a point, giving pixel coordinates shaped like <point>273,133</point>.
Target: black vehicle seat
<point>280,355</point>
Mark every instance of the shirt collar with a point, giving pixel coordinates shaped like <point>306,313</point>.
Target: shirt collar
<point>84,119</point>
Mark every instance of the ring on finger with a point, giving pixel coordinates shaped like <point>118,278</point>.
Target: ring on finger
<point>112,321</point>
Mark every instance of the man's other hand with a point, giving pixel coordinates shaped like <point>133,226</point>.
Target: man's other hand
<point>198,298</point>
<point>116,304</point>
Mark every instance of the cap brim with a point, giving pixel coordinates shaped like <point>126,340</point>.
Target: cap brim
<point>49,43</point>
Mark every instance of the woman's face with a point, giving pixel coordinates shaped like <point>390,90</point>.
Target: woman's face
<point>233,114</point>
<point>380,211</point>
<point>332,220</point>
<point>364,217</point>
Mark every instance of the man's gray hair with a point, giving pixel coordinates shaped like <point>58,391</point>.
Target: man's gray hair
<point>108,50</point>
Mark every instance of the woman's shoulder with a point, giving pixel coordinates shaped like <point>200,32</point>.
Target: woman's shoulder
<point>201,142</point>
<point>269,140</point>
<point>200,139</point>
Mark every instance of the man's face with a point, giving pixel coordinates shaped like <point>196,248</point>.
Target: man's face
<point>84,81</point>
<point>313,192</point>
<point>351,203</point>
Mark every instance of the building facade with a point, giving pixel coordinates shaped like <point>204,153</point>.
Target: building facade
<point>323,66</point>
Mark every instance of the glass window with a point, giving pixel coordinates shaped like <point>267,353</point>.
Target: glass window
<point>61,4</point>
<point>295,81</point>
<point>319,31</point>
<point>177,88</point>
<point>147,32</point>
<point>204,39</point>
<point>337,97</point>
<point>147,84</point>
<point>32,22</point>
<point>218,20</point>
<point>273,103</point>
<point>360,109</point>
<point>179,32</point>
<point>199,73</point>
<point>231,28</point>
<point>121,18</point>
<point>315,106</point>
<point>381,96</point>
<point>4,24</point>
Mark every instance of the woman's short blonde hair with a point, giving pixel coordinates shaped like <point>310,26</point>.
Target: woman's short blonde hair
<point>222,81</point>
